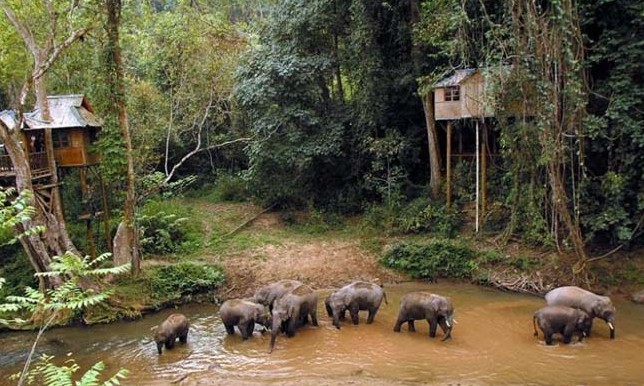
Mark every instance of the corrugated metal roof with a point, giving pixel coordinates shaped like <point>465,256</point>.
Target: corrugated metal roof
<point>66,111</point>
<point>9,118</point>
<point>455,79</point>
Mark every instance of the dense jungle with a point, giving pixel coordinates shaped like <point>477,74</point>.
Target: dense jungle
<point>231,144</point>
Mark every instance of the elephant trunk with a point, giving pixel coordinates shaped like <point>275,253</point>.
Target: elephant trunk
<point>159,347</point>
<point>450,325</point>
<point>612,329</point>
<point>274,330</point>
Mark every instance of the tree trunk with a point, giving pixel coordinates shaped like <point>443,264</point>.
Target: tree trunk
<point>54,240</point>
<point>115,75</point>
<point>432,139</point>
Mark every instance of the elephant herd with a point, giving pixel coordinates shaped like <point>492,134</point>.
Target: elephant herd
<point>286,305</point>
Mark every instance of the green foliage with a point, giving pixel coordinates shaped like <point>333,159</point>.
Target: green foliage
<point>423,216</point>
<point>69,295</point>
<point>183,279</point>
<point>231,188</point>
<point>48,373</point>
<point>613,193</point>
<point>439,258</point>
<point>161,233</point>
<point>167,228</point>
<point>14,211</point>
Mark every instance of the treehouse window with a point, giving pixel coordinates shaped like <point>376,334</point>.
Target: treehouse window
<point>61,139</point>
<point>452,93</point>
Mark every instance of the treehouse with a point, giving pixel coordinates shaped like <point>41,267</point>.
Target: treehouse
<point>62,144</point>
<point>462,104</point>
<point>74,128</point>
<point>461,96</point>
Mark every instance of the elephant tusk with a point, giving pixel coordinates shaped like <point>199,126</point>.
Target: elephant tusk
<point>610,325</point>
<point>448,324</point>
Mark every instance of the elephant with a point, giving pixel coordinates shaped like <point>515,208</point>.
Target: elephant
<point>436,309</point>
<point>243,313</point>
<point>594,305</point>
<point>291,311</point>
<point>271,292</point>
<point>357,296</point>
<point>175,326</point>
<point>561,319</point>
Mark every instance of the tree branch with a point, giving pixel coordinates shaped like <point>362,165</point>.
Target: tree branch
<point>22,29</point>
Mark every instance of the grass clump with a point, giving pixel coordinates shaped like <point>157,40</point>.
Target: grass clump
<point>438,258</point>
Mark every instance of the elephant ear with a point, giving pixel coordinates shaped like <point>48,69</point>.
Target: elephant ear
<point>597,308</point>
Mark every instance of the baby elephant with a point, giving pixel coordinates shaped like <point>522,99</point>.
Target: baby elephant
<point>175,326</point>
<point>436,309</point>
<point>563,320</point>
<point>357,296</point>
<point>243,314</point>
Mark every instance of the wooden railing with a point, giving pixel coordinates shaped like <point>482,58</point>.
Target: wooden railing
<point>5,163</point>
<point>37,161</point>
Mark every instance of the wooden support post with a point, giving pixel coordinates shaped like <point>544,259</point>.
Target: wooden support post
<point>89,208</point>
<point>448,160</point>
<point>484,173</point>
<point>478,168</point>
<point>106,213</point>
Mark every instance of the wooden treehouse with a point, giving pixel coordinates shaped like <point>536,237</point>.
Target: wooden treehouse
<point>462,104</point>
<point>72,131</point>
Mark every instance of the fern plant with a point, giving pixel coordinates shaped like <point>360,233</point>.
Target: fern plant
<point>52,375</point>
<point>69,296</point>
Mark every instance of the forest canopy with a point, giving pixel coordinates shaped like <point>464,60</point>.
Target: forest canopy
<point>320,104</point>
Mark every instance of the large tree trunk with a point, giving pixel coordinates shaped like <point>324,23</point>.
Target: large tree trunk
<point>432,139</point>
<point>54,240</point>
<point>115,75</point>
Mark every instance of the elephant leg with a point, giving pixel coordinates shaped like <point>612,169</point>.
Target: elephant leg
<point>169,343</point>
<point>372,314</point>
<point>230,328</point>
<point>243,328</point>
<point>251,328</point>
<point>433,324</point>
<point>183,338</point>
<point>314,318</point>
<point>410,326</point>
<point>343,315</point>
<point>292,325</point>
<point>567,334</point>
<point>355,318</point>
<point>399,323</point>
<point>548,338</point>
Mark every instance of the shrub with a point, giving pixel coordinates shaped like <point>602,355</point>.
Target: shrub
<point>231,188</point>
<point>184,279</point>
<point>423,216</point>
<point>439,258</point>
<point>166,228</point>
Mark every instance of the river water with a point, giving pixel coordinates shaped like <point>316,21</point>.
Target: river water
<point>492,343</point>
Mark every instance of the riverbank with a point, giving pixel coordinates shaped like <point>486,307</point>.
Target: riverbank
<point>255,247</point>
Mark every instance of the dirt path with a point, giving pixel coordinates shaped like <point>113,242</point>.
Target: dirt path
<point>321,262</point>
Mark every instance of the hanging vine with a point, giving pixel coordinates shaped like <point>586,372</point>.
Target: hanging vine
<point>541,106</point>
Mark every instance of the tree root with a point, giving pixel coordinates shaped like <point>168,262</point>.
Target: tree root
<point>531,283</point>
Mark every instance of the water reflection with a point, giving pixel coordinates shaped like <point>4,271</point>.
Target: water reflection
<point>492,343</point>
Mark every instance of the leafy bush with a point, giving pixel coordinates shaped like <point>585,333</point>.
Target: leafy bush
<point>231,188</point>
<point>184,279</point>
<point>439,258</point>
<point>161,233</point>
<point>165,228</point>
<point>423,216</point>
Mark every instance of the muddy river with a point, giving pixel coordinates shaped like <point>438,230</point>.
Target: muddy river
<point>492,343</point>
